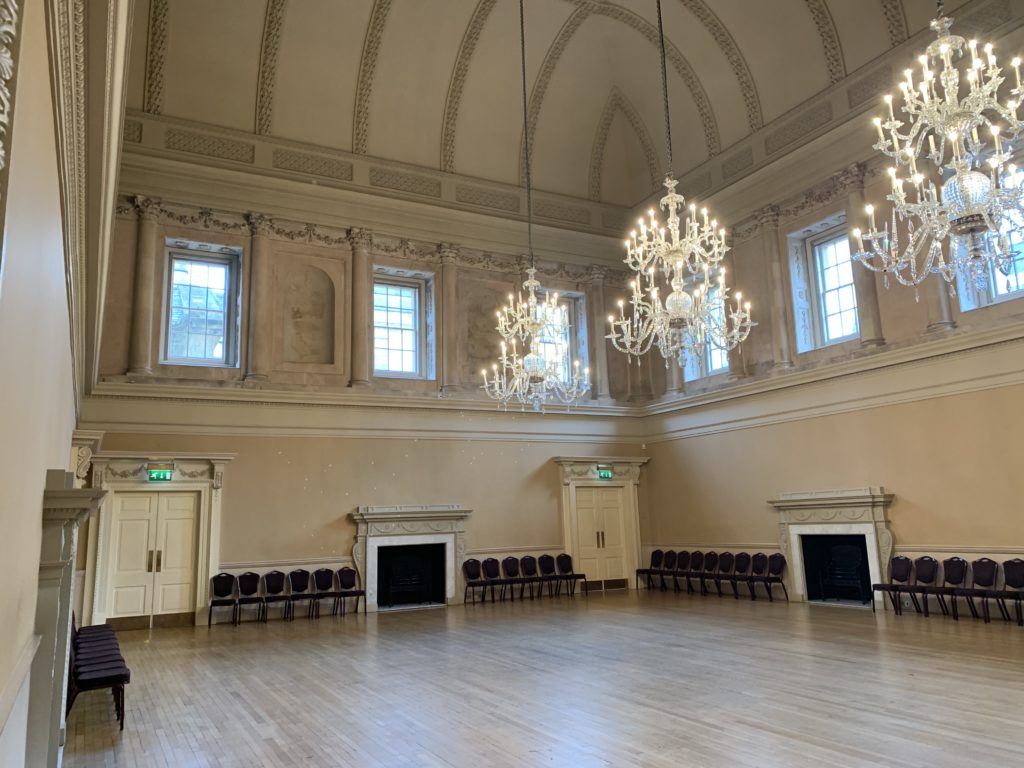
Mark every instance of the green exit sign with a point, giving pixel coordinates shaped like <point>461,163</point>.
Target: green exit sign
<point>160,473</point>
<point>604,473</point>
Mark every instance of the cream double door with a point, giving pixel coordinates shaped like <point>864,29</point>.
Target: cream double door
<point>601,536</point>
<point>153,554</point>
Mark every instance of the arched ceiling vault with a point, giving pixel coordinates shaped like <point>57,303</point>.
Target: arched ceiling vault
<point>386,79</point>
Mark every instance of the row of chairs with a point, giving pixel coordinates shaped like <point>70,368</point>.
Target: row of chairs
<point>703,569</point>
<point>921,578</point>
<point>96,663</point>
<point>528,572</point>
<point>263,590</point>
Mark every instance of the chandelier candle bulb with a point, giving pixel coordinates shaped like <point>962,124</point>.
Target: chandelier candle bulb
<point>878,124</point>
<point>1015,63</point>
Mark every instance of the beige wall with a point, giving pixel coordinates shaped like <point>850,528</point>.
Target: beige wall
<point>36,406</point>
<point>288,498</point>
<point>953,463</point>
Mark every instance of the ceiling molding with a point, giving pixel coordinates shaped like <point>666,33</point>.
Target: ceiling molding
<point>155,54</point>
<point>453,100</point>
<point>367,71</point>
<point>586,9</point>
<point>895,21</point>
<point>829,39</point>
<point>726,43</point>
<point>617,102</point>
<point>269,47</point>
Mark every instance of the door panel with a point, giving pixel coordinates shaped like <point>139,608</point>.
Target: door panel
<point>134,532</point>
<point>609,502</point>
<point>587,525</point>
<point>176,553</point>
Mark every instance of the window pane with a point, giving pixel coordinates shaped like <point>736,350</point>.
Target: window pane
<point>193,332</point>
<point>396,328</point>
<point>837,297</point>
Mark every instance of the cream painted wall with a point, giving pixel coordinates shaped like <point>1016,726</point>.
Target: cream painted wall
<point>953,463</point>
<point>288,498</point>
<point>36,406</point>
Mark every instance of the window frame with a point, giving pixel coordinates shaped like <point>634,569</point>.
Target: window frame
<point>572,305</point>
<point>811,245</point>
<point>423,343</point>
<point>228,257</point>
<point>694,370</point>
<point>970,297</point>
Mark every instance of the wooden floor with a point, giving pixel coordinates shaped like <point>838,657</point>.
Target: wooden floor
<point>617,680</point>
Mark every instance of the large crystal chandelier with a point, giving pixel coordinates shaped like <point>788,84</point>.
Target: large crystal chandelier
<point>522,373</point>
<point>952,179</point>
<point>680,300</point>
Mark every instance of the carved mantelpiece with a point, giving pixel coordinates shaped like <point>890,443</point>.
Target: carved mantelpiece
<point>410,524</point>
<point>835,511</point>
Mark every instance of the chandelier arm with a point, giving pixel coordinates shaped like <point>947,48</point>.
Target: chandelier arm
<point>664,93</point>
<point>526,135</point>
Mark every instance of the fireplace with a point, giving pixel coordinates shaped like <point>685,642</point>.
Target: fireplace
<point>413,574</point>
<point>836,568</point>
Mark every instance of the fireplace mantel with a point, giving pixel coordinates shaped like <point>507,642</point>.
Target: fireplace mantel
<point>410,524</point>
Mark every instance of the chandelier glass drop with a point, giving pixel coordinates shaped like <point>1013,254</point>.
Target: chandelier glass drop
<point>679,299</point>
<point>955,194</point>
<point>533,320</point>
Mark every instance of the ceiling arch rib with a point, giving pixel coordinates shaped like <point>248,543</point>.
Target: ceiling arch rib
<point>751,101</point>
<point>155,54</point>
<point>587,8</point>
<point>895,20</point>
<point>269,47</point>
<point>367,69</point>
<point>617,102</point>
<point>829,39</point>
<point>453,100</point>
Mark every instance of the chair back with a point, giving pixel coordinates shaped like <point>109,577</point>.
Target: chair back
<point>900,568</point>
<point>510,567</point>
<point>954,571</point>
<point>223,585</point>
<point>248,584</point>
<point>776,564</point>
<point>273,583</point>
<point>759,564</point>
<point>492,570</point>
<point>529,565</point>
<point>565,563</point>
<point>710,562</point>
<point>670,560</point>
<point>696,561</point>
<point>1013,573</point>
<point>985,570</point>
<point>742,564</point>
<point>926,568</point>
<point>683,561</point>
<point>298,581</point>
<point>471,569</point>
<point>347,578</point>
<point>657,558</point>
<point>323,578</point>
<point>725,562</point>
<point>547,565</point>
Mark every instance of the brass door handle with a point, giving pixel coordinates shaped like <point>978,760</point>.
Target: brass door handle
<point>597,535</point>
<point>159,560</point>
<point>149,562</point>
<point>602,539</point>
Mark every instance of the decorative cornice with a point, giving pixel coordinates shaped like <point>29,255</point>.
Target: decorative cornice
<point>272,26</point>
<point>367,71</point>
<point>895,21</point>
<point>453,100</point>
<point>734,56</point>
<point>768,217</point>
<point>829,39</point>
<point>617,102</point>
<point>267,226</point>
<point>832,189</point>
<point>156,50</point>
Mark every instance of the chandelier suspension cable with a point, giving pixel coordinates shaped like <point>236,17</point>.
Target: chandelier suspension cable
<point>526,137</point>
<point>664,94</point>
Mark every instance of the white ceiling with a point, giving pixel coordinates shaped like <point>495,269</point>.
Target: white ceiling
<point>435,83</point>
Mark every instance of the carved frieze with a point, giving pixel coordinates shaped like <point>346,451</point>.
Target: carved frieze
<point>417,184</point>
<point>209,145</point>
<point>314,165</point>
<point>488,198</point>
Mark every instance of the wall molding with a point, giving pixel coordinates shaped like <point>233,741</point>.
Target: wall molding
<point>18,676</point>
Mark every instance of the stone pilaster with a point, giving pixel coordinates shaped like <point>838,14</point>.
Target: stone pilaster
<point>781,336</point>
<point>449,318</point>
<point>260,347</point>
<point>362,286</point>
<point>144,303</point>
<point>599,388</point>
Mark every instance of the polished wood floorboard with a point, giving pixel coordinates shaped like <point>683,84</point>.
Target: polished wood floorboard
<point>622,679</point>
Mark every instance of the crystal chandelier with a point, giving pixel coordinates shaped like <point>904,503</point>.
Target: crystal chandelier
<point>531,318</point>
<point>965,191</point>
<point>685,259</point>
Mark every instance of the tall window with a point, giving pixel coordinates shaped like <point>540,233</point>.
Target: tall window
<point>399,327</point>
<point>559,351</point>
<point>999,287</point>
<point>836,294</point>
<point>714,359</point>
<point>201,309</point>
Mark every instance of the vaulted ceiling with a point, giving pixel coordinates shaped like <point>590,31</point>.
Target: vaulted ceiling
<point>435,83</point>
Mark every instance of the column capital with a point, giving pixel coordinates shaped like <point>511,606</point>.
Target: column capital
<point>768,217</point>
<point>851,178</point>
<point>449,252</point>
<point>360,238</point>
<point>259,224</point>
<point>597,274</point>
<point>147,208</point>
